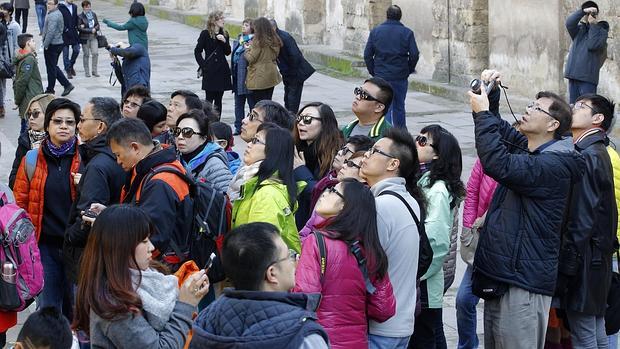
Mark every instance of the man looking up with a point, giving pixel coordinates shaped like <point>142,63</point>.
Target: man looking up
<point>370,104</point>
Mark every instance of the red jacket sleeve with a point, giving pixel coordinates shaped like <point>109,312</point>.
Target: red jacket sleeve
<point>381,305</point>
<point>308,273</point>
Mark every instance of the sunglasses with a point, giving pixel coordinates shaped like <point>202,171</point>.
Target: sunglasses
<point>187,132</point>
<point>352,164</point>
<point>423,141</point>
<point>363,94</point>
<point>34,114</point>
<point>375,150</point>
<point>257,140</point>
<point>306,119</point>
<point>58,122</point>
<point>333,190</point>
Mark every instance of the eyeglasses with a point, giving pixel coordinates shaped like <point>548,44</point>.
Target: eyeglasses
<point>333,190</point>
<point>252,115</point>
<point>533,106</point>
<point>82,119</point>
<point>423,141</point>
<point>375,150</point>
<point>344,150</point>
<point>363,94</point>
<point>292,255</point>
<point>257,140</point>
<point>35,114</point>
<point>68,122</point>
<point>352,164</point>
<point>581,105</point>
<point>187,132</point>
<point>307,119</point>
<point>131,104</point>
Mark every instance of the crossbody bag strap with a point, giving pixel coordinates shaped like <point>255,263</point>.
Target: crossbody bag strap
<point>356,250</point>
<point>320,240</point>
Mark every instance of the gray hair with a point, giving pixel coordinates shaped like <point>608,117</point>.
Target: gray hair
<point>107,109</point>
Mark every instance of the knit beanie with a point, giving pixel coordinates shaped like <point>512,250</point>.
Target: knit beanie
<point>152,112</point>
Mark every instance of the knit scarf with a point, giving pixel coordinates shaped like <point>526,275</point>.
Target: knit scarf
<point>62,149</point>
<point>91,19</point>
<point>158,292</point>
<point>199,159</point>
<point>36,137</point>
<point>243,175</point>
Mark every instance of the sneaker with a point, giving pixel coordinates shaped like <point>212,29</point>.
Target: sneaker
<point>95,74</point>
<point>67,90</point>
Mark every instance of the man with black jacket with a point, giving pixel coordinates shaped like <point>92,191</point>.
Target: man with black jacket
<point>516,261</point>
<point>588,239</point>
<point>70,35</point>
<point>294,69</point>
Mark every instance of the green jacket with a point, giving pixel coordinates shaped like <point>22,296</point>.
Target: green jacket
<point>376,132</point>
<point>27,82</point>
<point>269,203</point>
<point>136,30</point>
<point>438,222</point>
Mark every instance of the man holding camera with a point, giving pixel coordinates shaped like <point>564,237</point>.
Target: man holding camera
<point>588,50</point>
<point>516,261</point>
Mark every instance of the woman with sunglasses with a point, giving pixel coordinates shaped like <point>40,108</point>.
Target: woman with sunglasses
<point>46,189</point>
<point>350,294</point>
<point>270,195</point>
<point>317,140</point>
<point>440,168</point>
<point>34,134</point>
<point>203,158</point>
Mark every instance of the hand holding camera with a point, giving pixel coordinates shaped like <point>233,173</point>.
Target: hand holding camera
<point>89,216</point>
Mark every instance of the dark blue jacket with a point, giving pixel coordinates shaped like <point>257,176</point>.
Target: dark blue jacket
<point>391,52</point>
<point>70,34</point>
<point>253,319</point>
<point>589,49</point>
<point>291,62</point>
<point>520,241</point>
<point>136,65</point>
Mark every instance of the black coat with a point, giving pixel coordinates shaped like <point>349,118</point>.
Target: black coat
<point>588,242</point>
<point>291,62</point>
<point>70,33</point>
<point>23,145</point>
<point>588,50</point>
<point>215,70</point>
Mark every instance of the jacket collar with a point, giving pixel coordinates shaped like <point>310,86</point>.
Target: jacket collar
<point>375,131</point>
<point>97,145</point>
<point>397,184</point>
<point>591,139</point>
<point>306,301</point>
<point>393,22</point>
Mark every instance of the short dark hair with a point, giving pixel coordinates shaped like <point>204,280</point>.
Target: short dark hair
<point>193,103</point>
<point>184,93</point>
<point>361,142</point>
<point>210,111</point>
<point>602,105</point>
<point>85,3</point>
<point>129,130</point>
<point>394,12</point>
<point>136,9</point>
<point>22,39</point>
<point>106,109</point>
<point>7,7</point>
<point>559,110</point>
<point>247,253</point>
<point>201,120</point>
<point>222,130</point>
<point>46,327</point>
<point>152,112</point>
<point>137,90</point>
<point>386,93</point>
<point>276,113</point>
<point>58,104</point>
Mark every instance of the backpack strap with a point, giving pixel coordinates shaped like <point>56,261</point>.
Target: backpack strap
<point>320,240</point>
<point>402,199</point>
<point>31,162</point>
<point>355,248</point>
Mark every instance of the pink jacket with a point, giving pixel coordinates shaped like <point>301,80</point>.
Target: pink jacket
<point>345,305</point>
<point>480,189</point>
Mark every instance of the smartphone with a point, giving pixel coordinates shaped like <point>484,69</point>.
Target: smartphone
<point>210,261</point>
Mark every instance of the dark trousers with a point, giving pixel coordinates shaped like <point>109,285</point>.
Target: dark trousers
<point>396,114</point>
<point>215,98</point>
<point>54,73</point>
<point>69,62</point>
<point>292,95</point>
<point>240,101</point>
<point>425,330</point>
<point>260,95</point>
<point>23,13</point>
<point>578,88</point>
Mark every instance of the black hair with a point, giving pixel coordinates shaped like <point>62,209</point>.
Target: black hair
<point>210,111</point>
<point>279,148</point>
<point>274,112</point>
<point>106,109</point>
<point>361,142</point>
<point>559,110</point>
<point>22,39</point>
<point>139,91</point>
<point>9,8</point>
<point>449,163</point>
<point>247,253</point>
<point>85,3</point>
<point>404,149</point>
<point>386,93</point>
<point>394,12</point>
<point>601,105</point>
<point>58,104</point>
<point>46,327</point>
<point>221,130</point>
<point>152,112</point>
<point>183,93</point>
<point>201,120</point>
<point>136,9</point>
<point>588,4</point>
<point>358,221</point>
<point>128,130</point>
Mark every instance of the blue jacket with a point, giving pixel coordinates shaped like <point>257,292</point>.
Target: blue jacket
<point>589,49</point>
<point>391,52</point>
<point>254,319</point>
<point>520,241</point>
<point>136,65</point>
<point>291,62</point>
<point>239,69</point>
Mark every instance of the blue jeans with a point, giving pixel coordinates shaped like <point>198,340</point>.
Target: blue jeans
<point>57,290</point>
<point>613,339</point>
<point>69,62</point>
<point>240,101</point>
<point>396,113</point>
<point>587,331</point>
<point>381,342</point>
<point>41,10</point>
<point>466,313</point>
<point>578,88</point>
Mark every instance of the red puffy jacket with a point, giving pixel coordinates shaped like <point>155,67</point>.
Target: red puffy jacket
<point>345,305</point>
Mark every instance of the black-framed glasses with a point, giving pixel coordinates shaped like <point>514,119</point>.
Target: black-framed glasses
<point>333,190</point>
<point>363,94</point>
<point>350,163</point>
<point>306,119</point>
<point>423,141</point>
<point>292,255</point>
<point>186,132</point>
<point>252,115</point>
<point>533,106</point>
<point>344,150</point>
<point>581,105</point>
<point>257,140</point>
<point>35,114</point>
<point>82,118</point>
<point>68,122</point>
<point>131,104</point>
<point>375,150</point>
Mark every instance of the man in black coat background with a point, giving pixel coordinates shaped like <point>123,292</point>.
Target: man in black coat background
<point>70,35</point>
<point>294,69</point>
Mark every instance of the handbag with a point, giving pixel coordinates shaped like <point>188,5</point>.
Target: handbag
<point>469,240</point>
<point>102,41</point>
<point>7,70</point>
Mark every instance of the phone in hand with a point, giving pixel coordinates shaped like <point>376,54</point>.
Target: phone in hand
<point>210,261</point>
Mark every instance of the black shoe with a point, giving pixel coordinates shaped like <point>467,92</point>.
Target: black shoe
<point>67,90</point>
<point>73,71</point>
<point>68,74</point>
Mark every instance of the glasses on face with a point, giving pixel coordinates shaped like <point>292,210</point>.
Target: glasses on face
<point>582,105</point>
<point>257,140</point>
<point>352,164</point>
<point>375,150</point>
<point>252,115</point>
<point>533,106</point>
<point>68,122</point>
<point>306,119</point>
<point>82,118</point>
<point>293,256</point>
<point>333,190</point>
<point>35,114</point>
<point>363,94</point>
<point>131,104</point>
<point>423,141</point>
<point>221,142</point>
<point>344,150</point>
<point>186,132</point>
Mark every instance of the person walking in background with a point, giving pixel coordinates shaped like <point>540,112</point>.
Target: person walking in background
<point>239,70</point>
<point>136,26</point>
<point>21,13</point>
<point>52,48</point>
<point>4,17</point>
<point>88,27</point>
<point>40,6</point>
<point>391,53</point>
<point>27,81</point>
<point>70,35</point>
<point>261,54</point>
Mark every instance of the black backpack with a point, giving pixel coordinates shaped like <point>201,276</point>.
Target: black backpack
<point>425,256</point>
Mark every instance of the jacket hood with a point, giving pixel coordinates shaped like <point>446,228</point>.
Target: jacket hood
<point>576,163</point>
<point>20,56</point>
<point>305,301</point>
<point>141,22</point>
<point>396,184</point>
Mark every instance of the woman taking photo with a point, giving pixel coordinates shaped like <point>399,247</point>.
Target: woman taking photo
<point>440,166</point>
<point>45,188</point>
<point>239,70</point>
<point>202,157</point>
<point>136,26</point>
<point>270,195</point>
<point>122,301</point>
<point>350,295</point>
<point>213,42</point>
<point>261,53</point>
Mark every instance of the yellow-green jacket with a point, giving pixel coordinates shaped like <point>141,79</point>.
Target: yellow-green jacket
<point>615,164</point>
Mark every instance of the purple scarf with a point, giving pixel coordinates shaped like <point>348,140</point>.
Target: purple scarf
<point>62,150</point>
<point>424,167</point>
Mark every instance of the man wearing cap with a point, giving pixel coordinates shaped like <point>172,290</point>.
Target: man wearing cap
<point>588,50</point>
